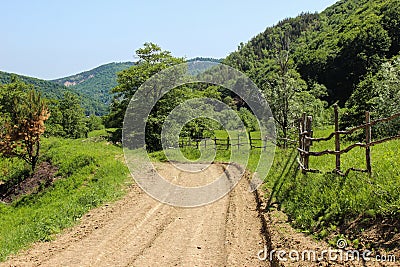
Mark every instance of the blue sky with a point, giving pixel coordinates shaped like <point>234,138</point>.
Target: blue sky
<point>51,39</point>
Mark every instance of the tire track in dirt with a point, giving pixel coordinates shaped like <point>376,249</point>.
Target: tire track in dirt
<point>195,235</point>
<point>139,231</point>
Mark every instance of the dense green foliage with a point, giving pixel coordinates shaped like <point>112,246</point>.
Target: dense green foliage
<point>151,61</point>
<point>337,48</point>
<point>68,118</point>
<point>89,175</point>
<point>96,84</point>
<point>380,94</point>
<point>52,90</point>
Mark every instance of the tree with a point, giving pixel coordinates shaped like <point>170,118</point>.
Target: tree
<point>94,123</point>
<point>288,95</point>
<point>22,125</point>
<point>249,120</point>
<point>282,81</point>
<point>152,59</point>
<point>378,94</point>
<point>73,116</point>
<point>196,128</point>
<point>54,123</point>
<point>391,23</point>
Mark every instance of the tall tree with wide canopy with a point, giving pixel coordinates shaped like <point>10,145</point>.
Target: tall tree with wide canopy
<point>152,59</point>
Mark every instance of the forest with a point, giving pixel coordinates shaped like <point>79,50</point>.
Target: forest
<point>348,55</point>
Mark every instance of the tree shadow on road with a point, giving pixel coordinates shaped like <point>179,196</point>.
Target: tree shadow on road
<point>287,171</point>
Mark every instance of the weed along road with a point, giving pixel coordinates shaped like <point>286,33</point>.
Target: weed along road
<point>140,231</point>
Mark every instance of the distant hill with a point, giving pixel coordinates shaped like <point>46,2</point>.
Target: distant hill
<point>96,83</point>
<point>93,86</point>
<point>53,90</point>
<point>47,88</point>
<point>199,65</point>
<point>217,60</point>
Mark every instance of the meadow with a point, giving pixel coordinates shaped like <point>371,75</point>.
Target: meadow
<point>90,172</point>
<point>320,203</point>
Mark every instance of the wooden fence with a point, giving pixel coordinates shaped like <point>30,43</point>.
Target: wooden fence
<point>306,140</point>
<point>225,143</point>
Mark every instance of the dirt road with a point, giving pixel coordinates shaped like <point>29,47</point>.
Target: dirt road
<point>140,231</point>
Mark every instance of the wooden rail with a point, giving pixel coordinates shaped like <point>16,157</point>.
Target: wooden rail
<point>306,139</point>
<point>226,143</point>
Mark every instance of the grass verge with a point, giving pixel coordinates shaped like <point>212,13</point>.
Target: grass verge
<point>89,174</point>
<point>325,204</point>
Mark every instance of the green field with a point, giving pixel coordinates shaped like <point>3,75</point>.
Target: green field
<point>91,172</point>
<point>223,154</point>
<point>319,203</point>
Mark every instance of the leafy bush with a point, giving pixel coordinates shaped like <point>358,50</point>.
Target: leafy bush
<point>380,95</point>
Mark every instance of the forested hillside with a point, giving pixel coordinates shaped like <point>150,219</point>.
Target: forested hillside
<point>336,48</point>
<point>52,90</point>
<point>47,88</point>
<point>96,83</point>
<point>93,86</point>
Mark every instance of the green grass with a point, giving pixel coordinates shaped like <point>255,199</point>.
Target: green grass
<point>91,173</point>
<point>222,154</point>
<point>317,202</point>
<point>99,133</point>
<point>12,169</point>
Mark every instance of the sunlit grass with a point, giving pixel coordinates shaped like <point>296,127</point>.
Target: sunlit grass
<point>90,173</point>
<point>242,154</point>
<point>316,201</point>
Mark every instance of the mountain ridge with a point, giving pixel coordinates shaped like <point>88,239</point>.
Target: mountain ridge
<point>96,83</point>
<point>92,86</point>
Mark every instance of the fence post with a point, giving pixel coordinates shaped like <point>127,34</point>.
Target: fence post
<point>265,143</point>
<point>337,137</point>
<point>238,143</point>
<point>215,143</point>
<point>227,143</point>
<point>301,136</point>
<point>197,143</point>
<point>251,144</point>
<point>368,140</point>
<point>307,141</point>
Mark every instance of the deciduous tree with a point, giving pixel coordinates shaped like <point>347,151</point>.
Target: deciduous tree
<point>24,114</point>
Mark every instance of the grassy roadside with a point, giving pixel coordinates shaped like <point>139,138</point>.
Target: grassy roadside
<point>329,206</point>
<point>90,172</point>
<point>325,205</point>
